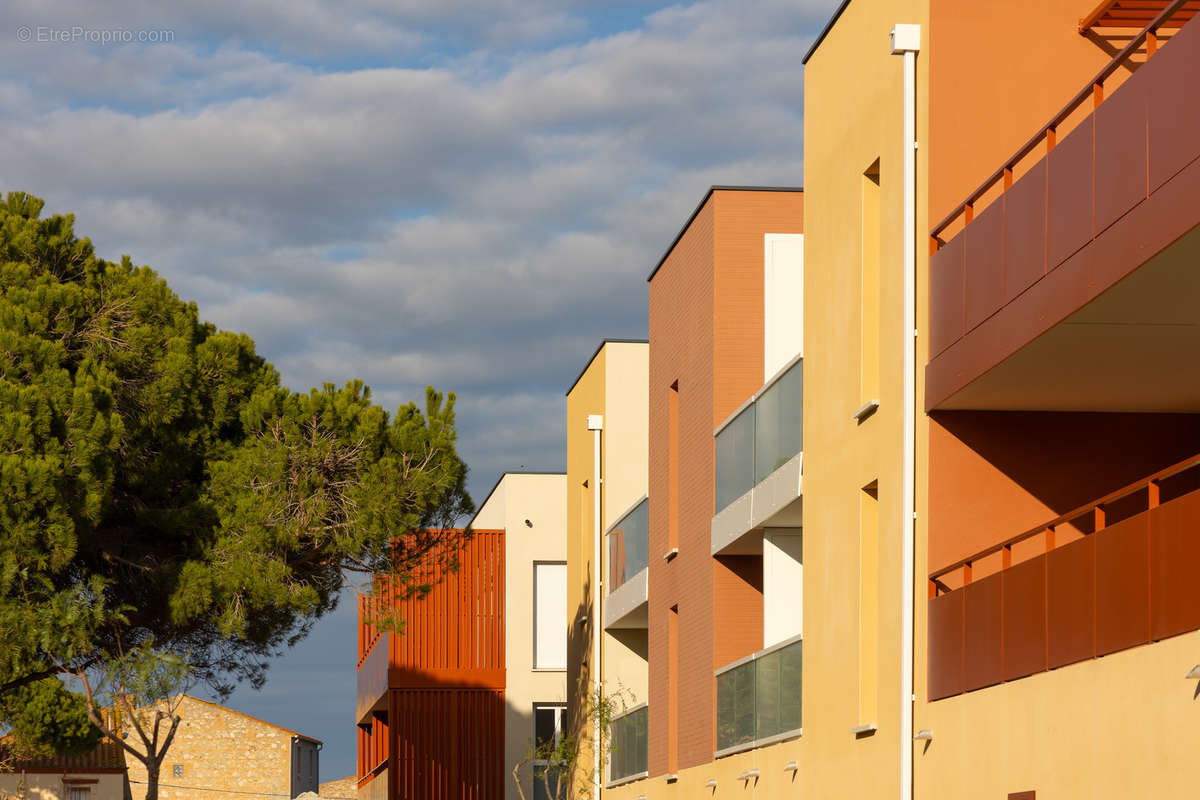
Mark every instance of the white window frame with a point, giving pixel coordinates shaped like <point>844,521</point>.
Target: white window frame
<point>560,713</point>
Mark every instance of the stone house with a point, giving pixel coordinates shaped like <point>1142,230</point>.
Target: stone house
<point>219,753</point>
<point>97,775</point>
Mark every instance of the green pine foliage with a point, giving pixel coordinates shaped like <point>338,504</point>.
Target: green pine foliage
<point>47,718</point>
<point>158,484</point>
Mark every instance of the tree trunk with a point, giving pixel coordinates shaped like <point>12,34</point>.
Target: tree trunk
<point>152,780</point>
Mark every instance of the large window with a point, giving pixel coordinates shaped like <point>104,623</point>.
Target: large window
<point>547,733</point>
<point>550,616</point>
<point>629,744</point>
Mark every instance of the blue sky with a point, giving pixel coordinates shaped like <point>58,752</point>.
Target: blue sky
<point>468,193</point>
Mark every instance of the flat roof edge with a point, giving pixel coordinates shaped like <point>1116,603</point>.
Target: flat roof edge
<point>824,32</point>
<point>500,480</point>
<point>691,218</point>
<point>595,353</point>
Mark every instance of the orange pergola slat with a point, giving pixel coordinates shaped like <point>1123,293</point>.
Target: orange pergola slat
<point>1134,14</point>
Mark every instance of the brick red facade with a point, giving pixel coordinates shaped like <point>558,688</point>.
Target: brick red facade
<point>706,338</point>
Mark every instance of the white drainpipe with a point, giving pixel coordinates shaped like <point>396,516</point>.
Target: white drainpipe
<point>595,424</point>
<point>906,41</point>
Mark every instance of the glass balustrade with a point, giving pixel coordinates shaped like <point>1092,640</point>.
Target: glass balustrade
<point>760,698</point>
<point>761,438</point>
<point>628,744</point>
<point>628,545</point>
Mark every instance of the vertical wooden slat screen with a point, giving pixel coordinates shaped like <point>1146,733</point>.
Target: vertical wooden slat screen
<point>445,678</point>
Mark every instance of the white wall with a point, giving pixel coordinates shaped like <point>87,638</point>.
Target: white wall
<point>783,300</point>
<point>783,584</point>
<point>542,500</point>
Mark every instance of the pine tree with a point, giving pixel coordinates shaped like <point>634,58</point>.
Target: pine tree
<point>160,488</point>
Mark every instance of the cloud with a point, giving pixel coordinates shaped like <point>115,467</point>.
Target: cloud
<point>478,228</point>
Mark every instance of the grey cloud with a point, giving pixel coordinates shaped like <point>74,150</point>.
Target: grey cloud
<point>478,231</point>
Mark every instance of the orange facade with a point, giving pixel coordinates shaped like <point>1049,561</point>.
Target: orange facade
<point>1064,183</point>
<point>706,359</point>
<point>431,695</point>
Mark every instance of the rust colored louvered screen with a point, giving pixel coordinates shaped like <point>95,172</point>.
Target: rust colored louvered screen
<point>449,744</point>
<point>442,734</point>
<point>455,633</point>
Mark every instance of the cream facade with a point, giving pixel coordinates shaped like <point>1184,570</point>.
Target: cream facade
<point>44,785</point>
<point>531,510</point>
<point>612,386</point>
<point>96,775</point>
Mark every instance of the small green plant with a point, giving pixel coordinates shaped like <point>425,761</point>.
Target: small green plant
<point>565,758</point>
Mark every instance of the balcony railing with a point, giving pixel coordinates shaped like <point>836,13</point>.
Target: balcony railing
<point>628,545</point>
<point>1048,134</point>
<point>758,698</point>
<point>630,745</point>
<point>1125,578</point>
<point>761,437</point>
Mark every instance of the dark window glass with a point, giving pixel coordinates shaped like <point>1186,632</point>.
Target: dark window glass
<point>544,724</point>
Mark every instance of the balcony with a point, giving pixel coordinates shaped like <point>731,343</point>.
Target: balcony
<point>1111,575</point>
<point>758,464</point>
<point>453,636</point>
<point>374,785</point>
<point>629,759</point>
<point>1066,281</point>
<point>628,576</point>
<point>758,698</point>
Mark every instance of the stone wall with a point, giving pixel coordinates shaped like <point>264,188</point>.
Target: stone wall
<point>342,789</point>
<point>220,751</point>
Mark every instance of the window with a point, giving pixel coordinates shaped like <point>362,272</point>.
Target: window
<point>79,792</point>
<point>547,733</point>
<point>868,604</point>
<point>177,770</point>
<point>673,690</point>
<point>550,616</point>
<point>870,294</point>
<point>673,466</point>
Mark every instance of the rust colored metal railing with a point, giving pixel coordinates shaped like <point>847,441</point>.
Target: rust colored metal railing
<point>1048,133</point>
<point>1130,14</point>
<point>1094,509</point>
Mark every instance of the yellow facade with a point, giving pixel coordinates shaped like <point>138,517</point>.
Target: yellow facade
<point>612,385</point>
<point>1113,727</point>
<point>851,473</point>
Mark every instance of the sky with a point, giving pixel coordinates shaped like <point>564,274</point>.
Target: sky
<point>463,193</point>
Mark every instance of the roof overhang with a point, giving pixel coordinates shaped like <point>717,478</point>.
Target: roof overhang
<point>1134,14</point>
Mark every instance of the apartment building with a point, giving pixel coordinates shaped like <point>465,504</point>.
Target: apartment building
<point>1034,212</point>
<point>531,510</point>
<point>1064,517</point>
<point>902,496</point>
<point>607,406</point>
<point>448,705</point>
<point>720,572</point>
